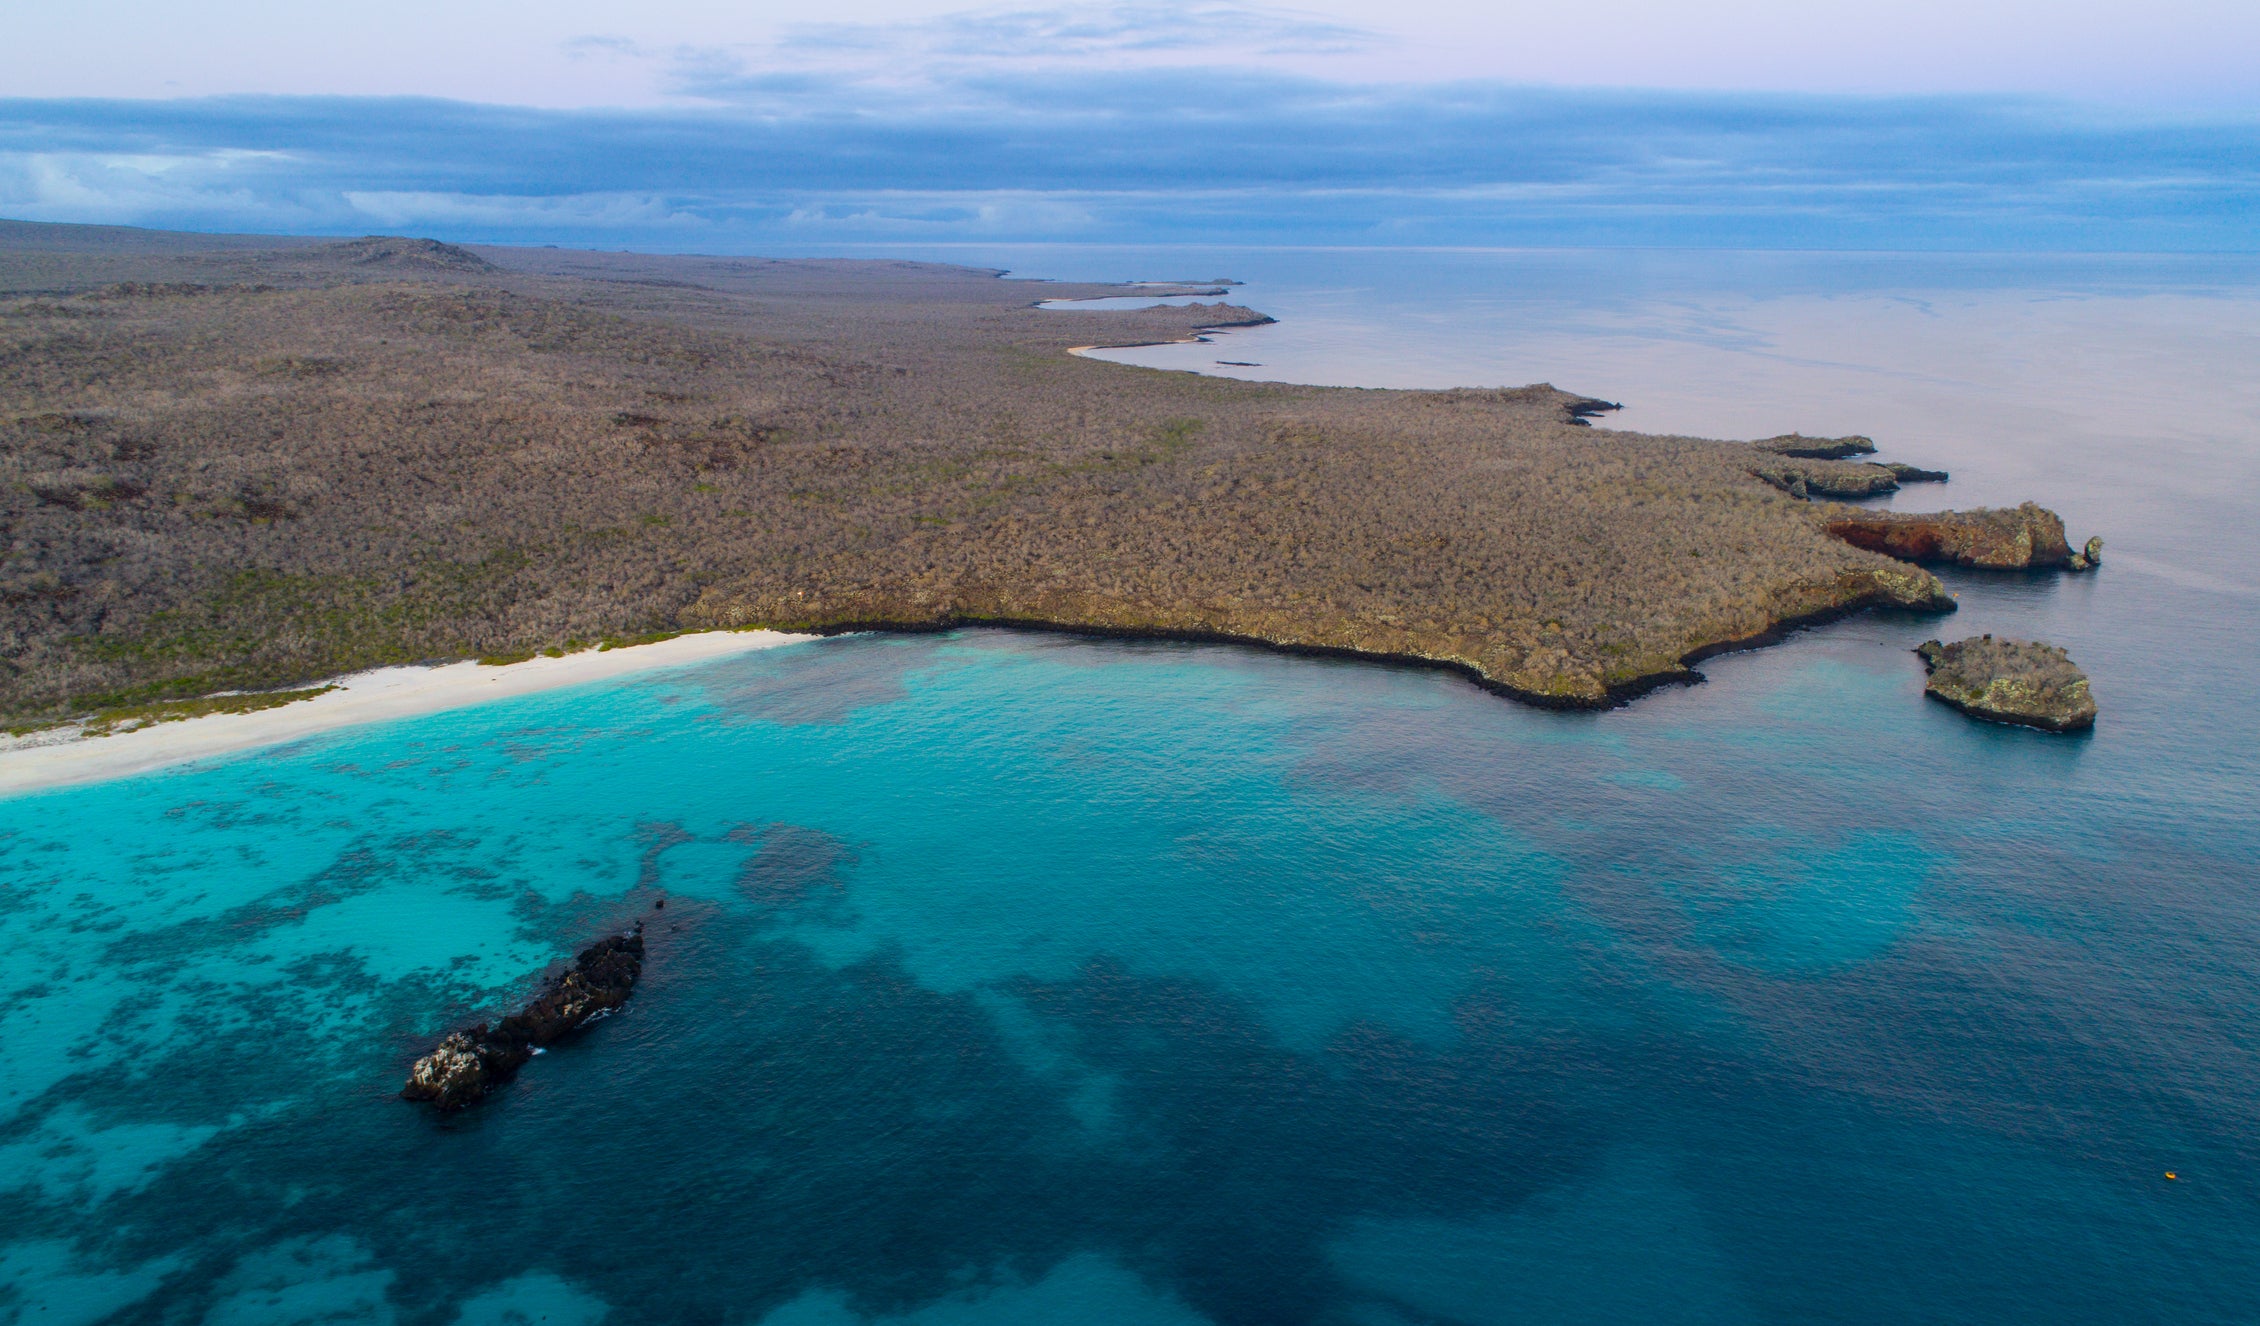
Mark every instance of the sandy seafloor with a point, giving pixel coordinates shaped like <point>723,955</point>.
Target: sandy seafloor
<point>1017,978</point>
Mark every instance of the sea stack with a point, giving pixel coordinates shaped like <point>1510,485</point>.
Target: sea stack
<point>2010,681</point>
<point>469,1064</point>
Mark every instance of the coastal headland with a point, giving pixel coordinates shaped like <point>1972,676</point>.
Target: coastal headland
<point>244,465</point>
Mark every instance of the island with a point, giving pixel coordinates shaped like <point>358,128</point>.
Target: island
<point>247,464</point>
<point>2009,681</point>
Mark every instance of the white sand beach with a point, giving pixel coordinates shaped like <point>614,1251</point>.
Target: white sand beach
<point>63,756</point>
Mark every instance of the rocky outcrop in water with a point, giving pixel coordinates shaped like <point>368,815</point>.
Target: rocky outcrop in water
<point>469,1064</point>
<point>1914,473</point>
<point>1992,538</point>
<point>2009,681</point>
<point>1816,448</point>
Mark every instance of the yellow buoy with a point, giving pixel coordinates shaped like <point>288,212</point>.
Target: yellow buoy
<point>2171,1175</point>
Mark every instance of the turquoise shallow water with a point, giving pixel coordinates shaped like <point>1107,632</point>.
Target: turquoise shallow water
<point>1017,978</point>
<point>1013,978</point>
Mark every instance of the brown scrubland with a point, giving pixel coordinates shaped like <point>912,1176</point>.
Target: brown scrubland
<point>240,464</point>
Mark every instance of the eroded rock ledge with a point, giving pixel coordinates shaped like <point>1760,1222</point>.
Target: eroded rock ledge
<point>1811,476</point>
<point>1992,538</point>
<point>2010,681</point>
<point>1816,448</point>
<point>468,1065</point>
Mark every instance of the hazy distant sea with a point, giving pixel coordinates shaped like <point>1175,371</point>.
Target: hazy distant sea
<point>1023,979</point>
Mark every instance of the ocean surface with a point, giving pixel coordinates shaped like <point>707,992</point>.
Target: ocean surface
<point>1019,978</point>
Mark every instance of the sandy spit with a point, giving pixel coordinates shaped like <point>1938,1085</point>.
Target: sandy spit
<point>60,757</point>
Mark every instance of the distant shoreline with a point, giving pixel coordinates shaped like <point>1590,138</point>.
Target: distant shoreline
<point>62,757</point>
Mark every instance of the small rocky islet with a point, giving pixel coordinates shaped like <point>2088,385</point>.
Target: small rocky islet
<point>468,1065</point>
<point>2001,680</point>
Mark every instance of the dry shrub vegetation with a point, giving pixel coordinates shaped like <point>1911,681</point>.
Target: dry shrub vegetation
<point>249,465</point>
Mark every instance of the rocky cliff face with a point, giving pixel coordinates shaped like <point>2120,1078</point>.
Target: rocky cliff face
<point>1996,539</point>
<point>467,1065</point>
<point>2010,681</point>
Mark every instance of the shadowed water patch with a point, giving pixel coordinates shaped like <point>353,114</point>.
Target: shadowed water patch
<point>848,1129</point>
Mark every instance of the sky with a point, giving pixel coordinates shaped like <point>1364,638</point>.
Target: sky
<point>582,53</point>
<point>737,127</point>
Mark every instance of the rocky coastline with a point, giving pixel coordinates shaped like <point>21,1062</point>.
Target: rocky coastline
<point>1548,679</point>
<point>2020,682</point>
<point>468,1065</point>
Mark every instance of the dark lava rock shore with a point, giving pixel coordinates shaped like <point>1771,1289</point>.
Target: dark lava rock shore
<point>2010,681</point>
<point>470,1064</point>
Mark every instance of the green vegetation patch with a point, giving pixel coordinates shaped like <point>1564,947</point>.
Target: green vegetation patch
<point>258,629</point>
<point>126,718</point>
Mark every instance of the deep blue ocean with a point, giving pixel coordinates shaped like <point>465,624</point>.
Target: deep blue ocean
<point>1021,978</point>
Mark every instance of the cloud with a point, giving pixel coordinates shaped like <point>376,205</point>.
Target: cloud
<point>1078,33</point>
<point>946,216</point>
<point>957,59</point>
<point>196,186</point>
<point>1167,153</point>
<point>507,212</point>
